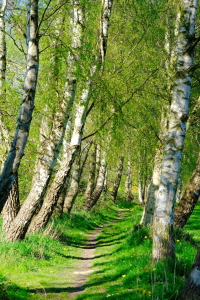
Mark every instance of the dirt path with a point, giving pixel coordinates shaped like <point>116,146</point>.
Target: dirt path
<point>85,266</point>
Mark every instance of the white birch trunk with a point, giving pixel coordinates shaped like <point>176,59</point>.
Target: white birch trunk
<point>128,182</point>
<point>51,147</point>
<point>74,184</point>
<point>140,190</point>
<point>54,191</point>
<point>118,178</point>
<point>66,144</point>
<point>42,218</point>
<point>163,243</point>
<point>148,213</point>
<point>98,162</point>
<point>2,49</point>
<point>92,172</point>
<point>104,26</point>
<point>90,202</point>
<point>24,120</point>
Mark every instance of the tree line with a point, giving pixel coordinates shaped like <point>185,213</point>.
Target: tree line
<point>111,88</point>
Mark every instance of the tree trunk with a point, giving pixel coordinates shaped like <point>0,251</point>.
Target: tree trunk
<point>12,163</point>
<point>11,207</point>
<point>163,242</point>
<point>118,179</point>
<point>50,201</point>
<point>140,190</point>
<point>128,183</point>
<point>50,148</point>
<point>2,50</point>
<point>148,213</point>
<point>99,187</point>
<point>189,198</point>
<point>66,144</point>
<point>191,290</point>
<point>92,172</point>
<point>74,184</point>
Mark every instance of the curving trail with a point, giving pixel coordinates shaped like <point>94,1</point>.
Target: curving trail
<point>80,274</point>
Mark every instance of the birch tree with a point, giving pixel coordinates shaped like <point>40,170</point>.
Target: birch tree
<point>148,213</point>
<point>76,173</point>
<point>189,198</point>
<point>191,289</point>
<point>80,118</point>
<point>50,148</point>
<point>117,179</point>
<point>92,171</point>
<point>94,197</point>
<point>163,243</point>
<point>12,163</point>
<point>42,218</point>
<point>128,182</point>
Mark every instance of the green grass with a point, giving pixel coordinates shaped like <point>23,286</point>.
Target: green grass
<point>125,269</point>
<point>42,262</point>
<point>38,268</point>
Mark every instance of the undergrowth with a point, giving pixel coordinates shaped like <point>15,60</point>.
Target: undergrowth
<point>125,268</point>
<point>31,269</point>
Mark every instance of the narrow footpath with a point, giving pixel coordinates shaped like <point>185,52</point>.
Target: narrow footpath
<point>84,268</point>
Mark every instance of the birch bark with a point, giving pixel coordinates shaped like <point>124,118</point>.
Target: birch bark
<point>118,178</point>
<point>128,182</point>
<point>191,290</point>
<point>42,218</point>
<point>90,202</point>
<point>92,172</point>
<point>163,243</point>
<point>2,48</point>
<point>4,137</point>
<point>12,206</point>
<point>140,189</point>
<point>51,147</point>
<point>54,191</point>
<point>12,163</point>
<point>148,213</point>
<point>189,198</point>
<point>74,184</point>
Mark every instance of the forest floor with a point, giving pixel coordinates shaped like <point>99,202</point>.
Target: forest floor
<point>99,256</point>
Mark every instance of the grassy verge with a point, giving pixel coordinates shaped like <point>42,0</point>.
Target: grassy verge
<point>38,268</point>
<point>41,264</point>
<point>123,265</point>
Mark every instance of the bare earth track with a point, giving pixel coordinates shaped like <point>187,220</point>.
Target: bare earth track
<point>85,266</point>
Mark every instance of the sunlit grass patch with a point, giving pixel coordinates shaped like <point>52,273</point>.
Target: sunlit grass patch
<point>125,268</point>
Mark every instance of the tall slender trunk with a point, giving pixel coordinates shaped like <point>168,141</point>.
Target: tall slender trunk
<point>117,179</point>
<point>50,201</point>
<point>50,147</point>
<point>128,182</point>
<point>163,242</point>
<point>189,198</point>
<point>90,202</point>
<point>12,163</point>
<point>66,144</point>
<point>140,189</point>
<point>92,172</point>
<point>74,184</point>
<point>2,49</point>
<point>148,213</point>
<point>98,162</point>
<point>56,187</point>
